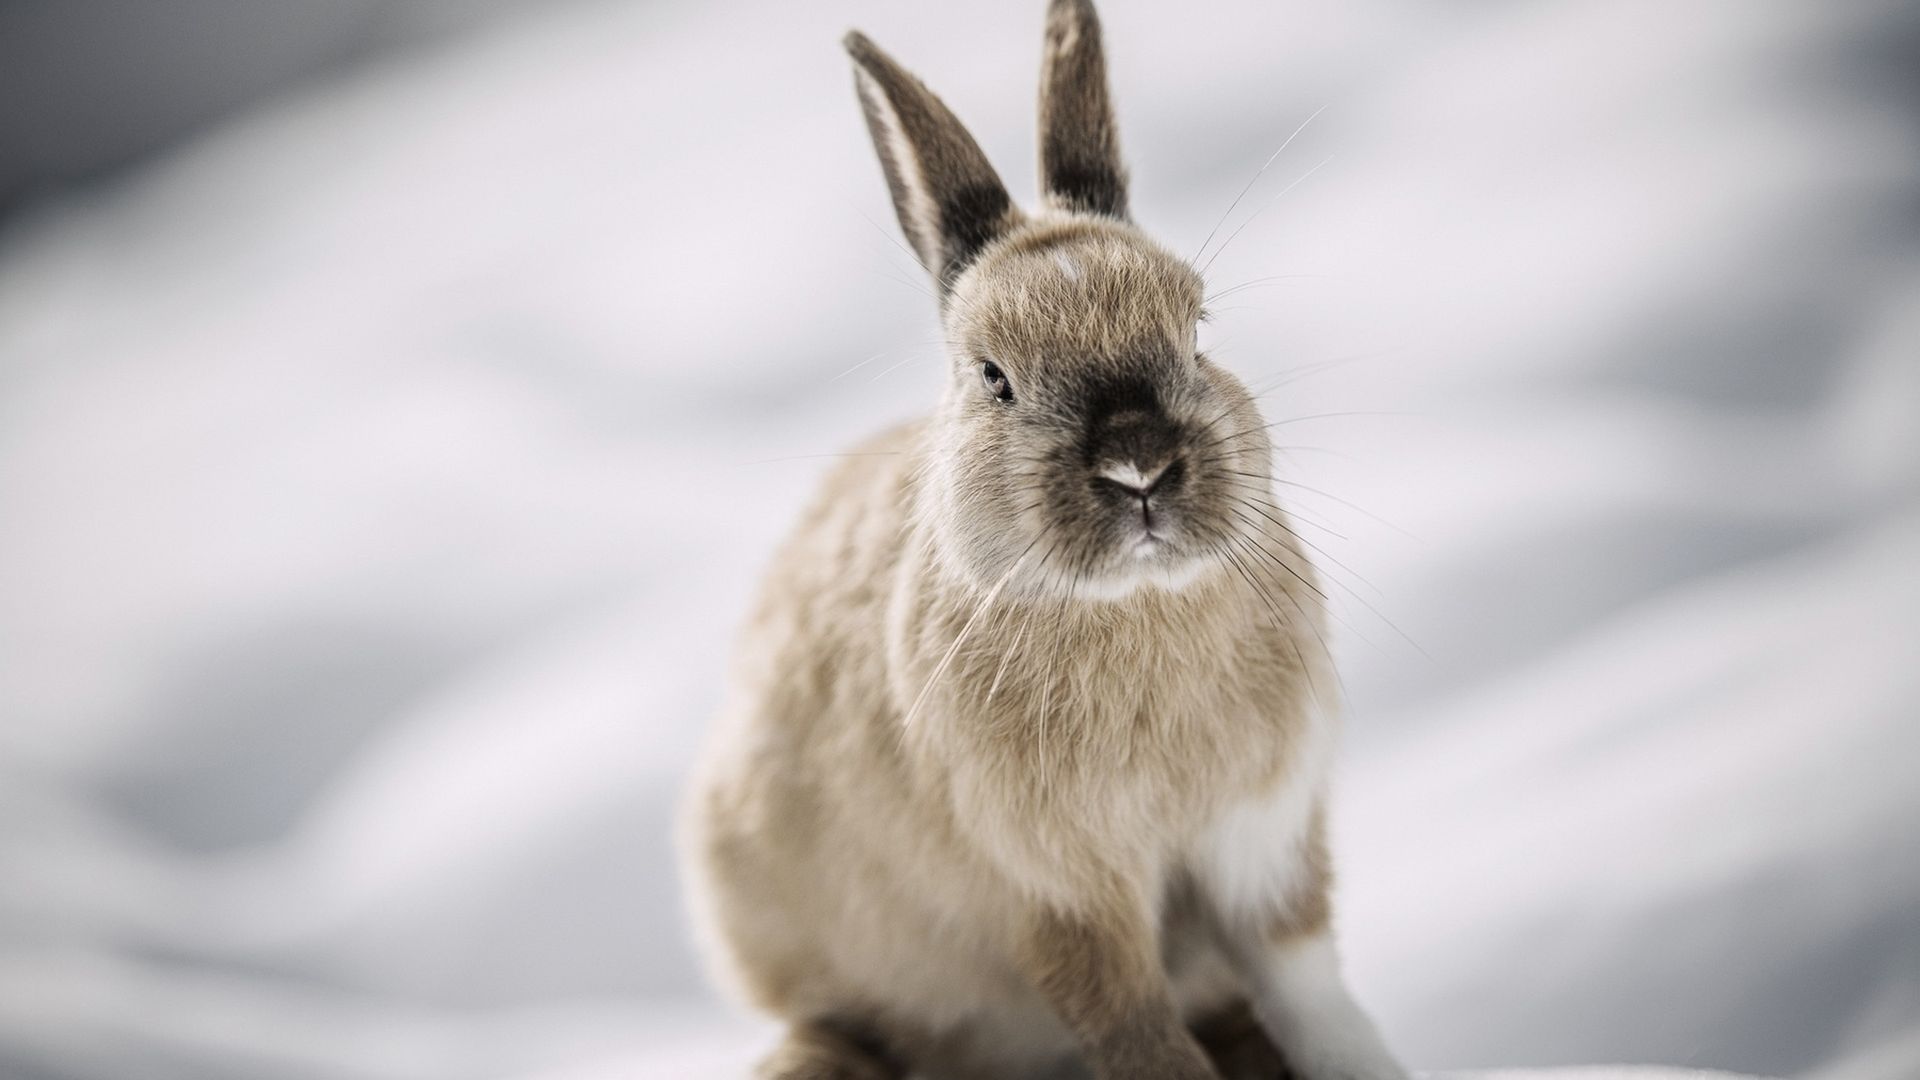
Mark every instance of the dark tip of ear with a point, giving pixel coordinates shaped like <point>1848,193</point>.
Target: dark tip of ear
<point>859,46</point>
<point>1072,11</point>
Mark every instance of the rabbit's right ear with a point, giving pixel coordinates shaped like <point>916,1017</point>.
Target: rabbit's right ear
<point>1080,165</point>
<point>950,201</point>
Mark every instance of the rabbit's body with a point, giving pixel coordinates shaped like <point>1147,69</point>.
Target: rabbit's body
<point>880,873</point>
<point>1023,764</point>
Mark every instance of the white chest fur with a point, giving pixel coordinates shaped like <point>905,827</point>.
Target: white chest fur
<point>1252,858</point>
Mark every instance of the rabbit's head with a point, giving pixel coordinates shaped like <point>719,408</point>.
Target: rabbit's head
<point>1083,445</point>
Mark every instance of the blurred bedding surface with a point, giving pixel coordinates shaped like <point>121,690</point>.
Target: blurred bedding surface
<point>383,472</point>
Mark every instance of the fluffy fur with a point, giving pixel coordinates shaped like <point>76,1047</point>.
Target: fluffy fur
<point>1022,769</point>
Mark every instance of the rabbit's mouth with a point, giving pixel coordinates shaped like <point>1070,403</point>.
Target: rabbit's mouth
<point>1149,557</point>
<point>1154,537</point>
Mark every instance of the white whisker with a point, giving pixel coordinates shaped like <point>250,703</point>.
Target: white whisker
<point>1256,179</point>
<point>960,638</point>
<point>1256,214</point>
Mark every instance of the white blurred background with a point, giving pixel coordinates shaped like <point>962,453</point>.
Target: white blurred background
<point>399,399</point>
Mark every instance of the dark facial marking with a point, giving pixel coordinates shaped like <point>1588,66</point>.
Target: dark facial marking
<point>1125,422</point>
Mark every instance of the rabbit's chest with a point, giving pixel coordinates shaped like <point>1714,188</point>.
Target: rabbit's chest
<point>1231,800</point>
<point>1256,850</point>
<point>1187,729</point>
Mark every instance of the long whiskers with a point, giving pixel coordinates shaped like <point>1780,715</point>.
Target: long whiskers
<point>1310,489</point>
<point>953,650</point>
<point>1271,158</point>
<point>1261,509</point>
<point>1252,547</point>
<point>1012,648</point>
<point>1270,282</point>
<point>1301,420</point>
<point>1256,214</point>
<point>1266,597</point>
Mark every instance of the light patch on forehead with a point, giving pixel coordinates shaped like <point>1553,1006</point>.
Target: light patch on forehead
<point>1078,291</point>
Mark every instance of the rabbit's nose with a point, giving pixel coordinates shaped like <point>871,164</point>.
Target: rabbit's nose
<point>1129,479</point>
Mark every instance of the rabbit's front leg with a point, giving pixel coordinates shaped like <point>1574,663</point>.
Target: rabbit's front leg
<point>1099,968</point>
<point>1302,1000</point>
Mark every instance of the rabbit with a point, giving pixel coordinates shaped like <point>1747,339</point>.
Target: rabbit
<point>1022,767</point>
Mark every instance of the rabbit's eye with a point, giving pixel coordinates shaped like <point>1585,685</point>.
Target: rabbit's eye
<point>996,381</point>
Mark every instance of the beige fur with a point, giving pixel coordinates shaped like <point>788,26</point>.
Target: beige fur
<point>990,729</point>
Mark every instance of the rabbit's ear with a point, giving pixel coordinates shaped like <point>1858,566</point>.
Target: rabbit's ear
<point>1079,149</point>
<point>950,201</point>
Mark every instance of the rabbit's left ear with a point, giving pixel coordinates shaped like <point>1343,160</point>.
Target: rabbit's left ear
<point>950,201</point>
<point>1079,149</point>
